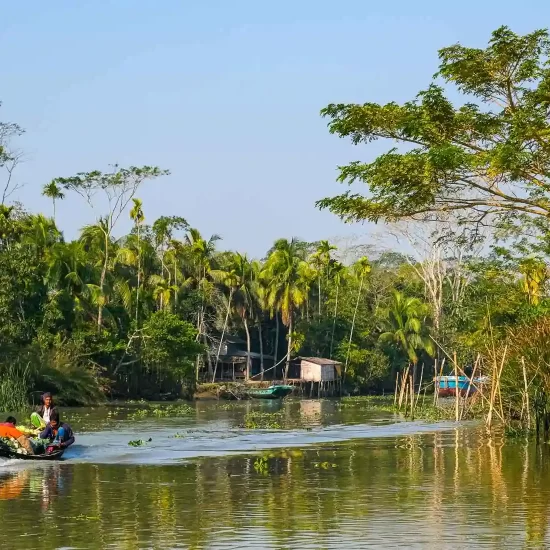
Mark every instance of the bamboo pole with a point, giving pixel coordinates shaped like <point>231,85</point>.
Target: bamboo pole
<point>485,399</point>
<point>436,399</point>
<point>468,390</point>
<point>526,393</point>
<point>457,390</point>
<point>411,384</point>
<point>495,388</point>
<point>435,382</point>
<point>404,379</point>
<point>420,385</point>
<point>396,388</point>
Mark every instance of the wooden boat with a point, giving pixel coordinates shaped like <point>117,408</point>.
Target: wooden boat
<point>273,392</point>
<point>446,385</point>
<point>9,453</point>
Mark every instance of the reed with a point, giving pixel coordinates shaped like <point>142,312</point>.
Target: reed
<point>14,389</point>
<point>526,394</point>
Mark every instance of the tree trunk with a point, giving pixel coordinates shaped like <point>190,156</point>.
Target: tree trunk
<point>319,295</point>
<point>102,284</point>
<point>352,327</point>
<point>247,375</point>
<point>260,337</point>
<point>334,320</point>
<point>276,350</point>
<point>208,358</point>
<point>289,349</point>
<point>223,334</point>
<point>138,277</point>
<point>197,338</point>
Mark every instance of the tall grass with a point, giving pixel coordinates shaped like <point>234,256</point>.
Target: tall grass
<point>15,382</point>
<point>30,372</point>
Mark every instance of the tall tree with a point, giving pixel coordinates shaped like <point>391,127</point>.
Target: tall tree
<point>201,252</point>
<point>118,188</point>
<point>321,260</point>
<point>52,191</point>
<point>229,277</point>
<point>284,274</point>
<point>338,273</point>
<point>9,159</point>
<point>361,268</point>
<point>405,319</point>
<point>487,158</point>
<point>138,217</point>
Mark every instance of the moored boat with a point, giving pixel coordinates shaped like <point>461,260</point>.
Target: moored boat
<point>447,385</point>
<point>273,392</point>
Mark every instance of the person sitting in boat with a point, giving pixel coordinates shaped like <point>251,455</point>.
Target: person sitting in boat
<point>8,429</point>
<point>59,433</point>
<point>47,408</point>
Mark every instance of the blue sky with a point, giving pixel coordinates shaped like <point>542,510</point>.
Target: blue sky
<point>225,94</point>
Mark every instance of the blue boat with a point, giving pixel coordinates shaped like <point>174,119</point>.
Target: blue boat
<point>446,385</point>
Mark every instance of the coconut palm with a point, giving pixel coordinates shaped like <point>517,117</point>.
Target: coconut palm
<point>535,275</point>
<point>40,233</point>
<point>138,217</point>
<point>361,269</point>
<point>287,286</point>
<point>53,191</point>
<point>231,277</point>
<point>338,273</point>
<point>96,240</point>
<point>321,260</point>
<point>405,318</point>
<point>200,255</point>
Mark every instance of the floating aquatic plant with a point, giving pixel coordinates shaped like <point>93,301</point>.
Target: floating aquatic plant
<point>139,442</point>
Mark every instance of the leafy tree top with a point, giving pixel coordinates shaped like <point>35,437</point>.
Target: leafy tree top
<point>488,158</point>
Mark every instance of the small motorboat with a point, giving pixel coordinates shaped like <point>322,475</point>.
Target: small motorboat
<point>446,385</point>
<point>273,392</point>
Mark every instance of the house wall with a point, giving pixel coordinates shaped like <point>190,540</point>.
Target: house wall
<point>317,373</point>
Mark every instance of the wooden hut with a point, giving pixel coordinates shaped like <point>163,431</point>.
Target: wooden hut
<point>317,369</point>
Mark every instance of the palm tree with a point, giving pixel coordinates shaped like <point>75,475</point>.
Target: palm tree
<point>230,278</point>
<point>535,275</point>
<point>321,260</point>
<point>260,305</point>
<point>338,273</point>
<point>96,239</point>
<point>200,253</point>
<point>138,217</point>
<point>52,191</point>
<point>40,233</point>
<point>405,320</point>
<point>287,289</point>
<point>162,291</point>
<point>362,268</point>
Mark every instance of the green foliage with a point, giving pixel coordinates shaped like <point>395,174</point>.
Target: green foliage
<point>169,344</point>
<point>485,158</point>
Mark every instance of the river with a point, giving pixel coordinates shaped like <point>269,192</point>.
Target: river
<point>339,475</point>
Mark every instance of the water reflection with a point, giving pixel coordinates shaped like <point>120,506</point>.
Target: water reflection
<point>439,490</point>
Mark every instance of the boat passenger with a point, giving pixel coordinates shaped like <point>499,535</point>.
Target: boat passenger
<point>8,429</point>
<point>47,408</point>
<point>59,433</point>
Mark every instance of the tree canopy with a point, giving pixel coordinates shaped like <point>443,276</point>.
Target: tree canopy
<point>484,157</point>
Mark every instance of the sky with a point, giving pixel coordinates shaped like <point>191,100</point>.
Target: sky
<point>225,94</point>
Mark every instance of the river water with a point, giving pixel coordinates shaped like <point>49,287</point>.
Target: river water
<point>339,475</point>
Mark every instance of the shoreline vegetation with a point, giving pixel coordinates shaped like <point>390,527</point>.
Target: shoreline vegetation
<point>466,186</point>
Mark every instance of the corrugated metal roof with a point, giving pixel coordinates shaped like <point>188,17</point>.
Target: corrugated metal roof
<point>320,361</point>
